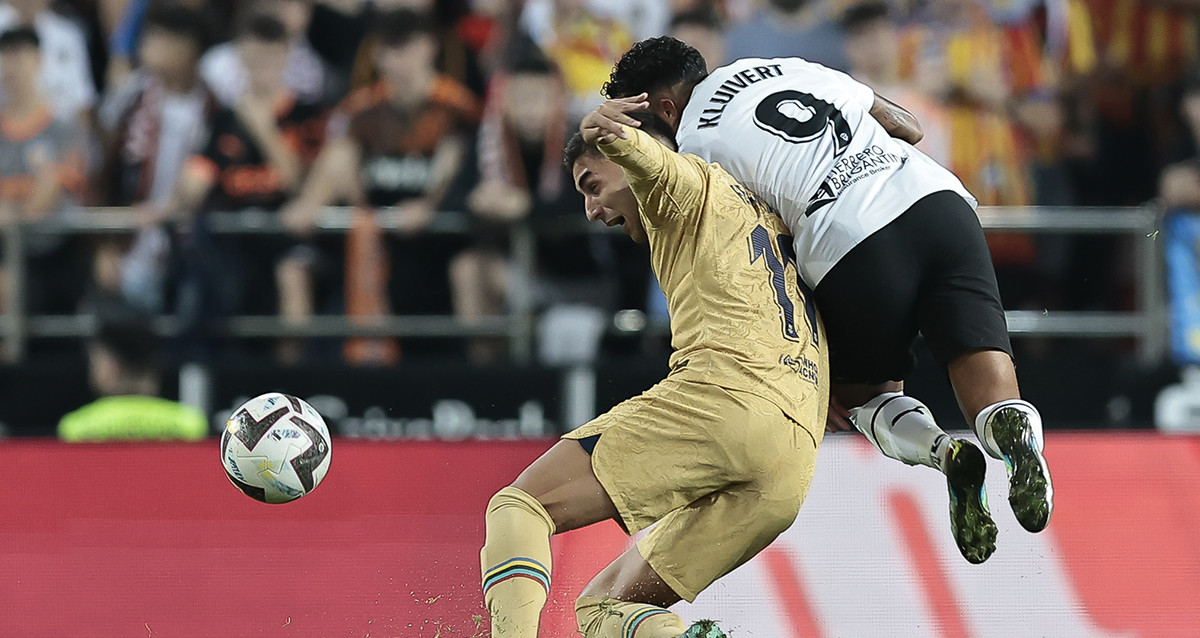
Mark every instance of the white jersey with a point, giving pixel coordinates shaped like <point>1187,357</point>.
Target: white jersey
<point>802,137</point>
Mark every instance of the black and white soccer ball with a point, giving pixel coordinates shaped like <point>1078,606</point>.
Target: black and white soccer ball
<point>275,448</point>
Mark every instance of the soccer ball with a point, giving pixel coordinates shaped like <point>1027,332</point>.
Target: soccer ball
<point>275,448</point>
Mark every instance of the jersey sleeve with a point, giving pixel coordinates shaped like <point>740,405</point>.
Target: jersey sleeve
<point>668,185</point>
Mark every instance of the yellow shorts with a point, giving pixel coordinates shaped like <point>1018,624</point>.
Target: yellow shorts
<point>722,473</point>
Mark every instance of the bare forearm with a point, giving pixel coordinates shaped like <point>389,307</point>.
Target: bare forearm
<point>898,122</point>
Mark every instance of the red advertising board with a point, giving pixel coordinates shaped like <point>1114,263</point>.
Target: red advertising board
<point>151,540</point>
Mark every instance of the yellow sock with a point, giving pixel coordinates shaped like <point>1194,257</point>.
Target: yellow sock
<point>608,618</point>
<point>516,563</point>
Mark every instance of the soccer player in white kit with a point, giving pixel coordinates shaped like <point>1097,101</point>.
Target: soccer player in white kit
<point>889,242</point>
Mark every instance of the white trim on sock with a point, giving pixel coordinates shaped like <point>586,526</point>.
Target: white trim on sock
<point>983,426</point>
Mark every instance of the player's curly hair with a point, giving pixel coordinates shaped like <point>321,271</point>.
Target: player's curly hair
<point>656,63</point>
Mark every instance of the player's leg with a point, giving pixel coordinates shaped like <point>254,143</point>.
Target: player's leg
<point>558,492</point>
<point>693,545</point>
<point>869,301</point>
<point>1010,428</point>
<point>628,598</point>
<point>963,323</point>
<point>899,425</point>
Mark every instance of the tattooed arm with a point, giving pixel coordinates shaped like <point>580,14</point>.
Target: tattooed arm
<point>897,121</point>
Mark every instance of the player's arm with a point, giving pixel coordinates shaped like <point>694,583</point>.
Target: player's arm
<point>665,182</point>
<point>898,122</point>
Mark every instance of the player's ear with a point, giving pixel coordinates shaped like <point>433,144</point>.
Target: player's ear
<point>666,108</point>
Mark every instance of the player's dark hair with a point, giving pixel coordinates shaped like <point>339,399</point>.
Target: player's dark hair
<point>652,124</point>
<point>179,21</point>
<point>864,13</point>
<point>265,28</point>
<point>575,149</point>
<point>656,127</point>
<point>399,27</point>
<point>653,64</point>
<point>18,37</point>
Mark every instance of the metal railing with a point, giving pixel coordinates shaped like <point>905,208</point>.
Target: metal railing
<point>1147,323</point>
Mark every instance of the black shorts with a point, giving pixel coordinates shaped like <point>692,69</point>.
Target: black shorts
<point>928,271</point>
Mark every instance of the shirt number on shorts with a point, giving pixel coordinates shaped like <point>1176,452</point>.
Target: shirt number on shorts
<point>761,247</point>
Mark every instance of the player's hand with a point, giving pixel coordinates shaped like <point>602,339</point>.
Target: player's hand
<point>607,122</point>
<point>839,417</point>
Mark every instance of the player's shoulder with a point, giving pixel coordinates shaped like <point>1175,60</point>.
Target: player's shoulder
<point>747,65</point>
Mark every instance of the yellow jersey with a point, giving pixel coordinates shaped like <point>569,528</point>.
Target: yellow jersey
<point>740,318</point>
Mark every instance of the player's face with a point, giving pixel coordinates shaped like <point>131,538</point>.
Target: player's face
<point>607,197</point>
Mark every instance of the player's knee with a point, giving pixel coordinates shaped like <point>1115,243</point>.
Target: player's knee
<point>588,610</point>
<point>514,503</point>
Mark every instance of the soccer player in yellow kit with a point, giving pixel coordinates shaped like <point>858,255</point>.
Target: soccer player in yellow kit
<point>720,454</point>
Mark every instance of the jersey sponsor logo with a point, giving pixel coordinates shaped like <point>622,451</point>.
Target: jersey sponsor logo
<point>805,367</point>
<point>729,89</point>
<point>850,169</point>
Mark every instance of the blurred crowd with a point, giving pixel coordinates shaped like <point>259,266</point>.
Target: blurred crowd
<point>180,108</point>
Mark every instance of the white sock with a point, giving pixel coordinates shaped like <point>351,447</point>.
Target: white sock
<point>983,424</point>
<point>903,429</point>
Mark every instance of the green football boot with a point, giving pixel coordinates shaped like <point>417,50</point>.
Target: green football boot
<point>1030,492</point>
<point>703,629</point>
<point>970,521</point>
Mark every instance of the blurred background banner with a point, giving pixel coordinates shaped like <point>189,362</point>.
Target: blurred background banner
<point>117,540</point>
